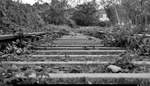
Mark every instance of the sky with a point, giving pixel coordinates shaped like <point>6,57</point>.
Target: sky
<point>33,1</point>
<point>73,2</point>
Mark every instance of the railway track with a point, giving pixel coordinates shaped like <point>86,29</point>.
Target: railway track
<point>75,57</point>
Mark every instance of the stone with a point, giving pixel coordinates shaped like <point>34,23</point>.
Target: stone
<point>32,75</point>
<point>20,75</point>
<point>1,70</point>
<point>89,38</point>
<point>114,68</point>
<point>38,68</point>
<point>125,70</point>
<point>25,50</point>
<point>1,53</point>
<point>15,48</point>
<point>89,82</point>
<point>23,68</point>
<point>5,56</point>
<point>75,71</point>
<point>14,68</point>
<point>19,51</point>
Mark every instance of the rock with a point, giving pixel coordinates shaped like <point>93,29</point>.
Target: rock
<point>89,38</point>
<point>14,68</point>
<point>10,49</point>
<point>20,75</point>
<point>15,47</point>
<point>23,68</point>
<point>30,46</point>
<point>32,75</point>
<point>89,82</point>
<point>125,70</point>
<point>1,70</point>
<point>43,76</point>
<point>56,67</point>
<point>19,51</point>
<point>38,68</point>
<point>5,56</point>
<point>1,53</point>
<point>13,42</point>
<point>25,50</point>
<point>75,71</point>
<point>114,68</point>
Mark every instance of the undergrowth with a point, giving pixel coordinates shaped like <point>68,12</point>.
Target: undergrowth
<point>125,37</point>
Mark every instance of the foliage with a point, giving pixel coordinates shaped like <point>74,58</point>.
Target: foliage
<point>125,37</point>
<point>144,47</point>
<point>129,11</point>
<point>110,7</point>
<point>17,47</point>
<point>86,14</point>
<point>41,7</point>
<point>137,10</point>
<point>120,36</point>
<point>111,14</point>
<point>15,15</point>
<point>56,14</point>
<point>125,62</point>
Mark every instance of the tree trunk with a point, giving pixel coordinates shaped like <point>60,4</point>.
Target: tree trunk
<point>117,15</point>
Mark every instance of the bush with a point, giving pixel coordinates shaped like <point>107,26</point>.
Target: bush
<point>86,14</point>
<point>56,14</point>
<point>123,37</point>
<point>15,15</point>
<point>117,37</point>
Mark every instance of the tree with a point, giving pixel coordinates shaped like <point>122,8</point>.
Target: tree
<point>86,14</point>
<point>111,8</point>
<point>138,12</point>
<point>16,15</point>
<point>56,13</point>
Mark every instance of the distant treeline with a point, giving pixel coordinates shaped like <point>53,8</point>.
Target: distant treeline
<point>15,15</point>
<point>133,11</point>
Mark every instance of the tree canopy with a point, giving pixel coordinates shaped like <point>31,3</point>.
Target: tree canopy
<point>86,14</point>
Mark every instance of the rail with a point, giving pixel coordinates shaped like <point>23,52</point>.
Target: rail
<point>15,36</point>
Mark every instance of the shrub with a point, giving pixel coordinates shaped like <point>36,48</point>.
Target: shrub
<point>117,37</point>
<point>56,14</point>
<point>123,37</point>
<point>86,14</point>
<point>15,15</point>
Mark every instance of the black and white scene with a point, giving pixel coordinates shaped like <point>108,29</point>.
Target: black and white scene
<point>45,42</point>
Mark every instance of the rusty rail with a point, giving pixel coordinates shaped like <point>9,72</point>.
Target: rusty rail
<point>15,36</point>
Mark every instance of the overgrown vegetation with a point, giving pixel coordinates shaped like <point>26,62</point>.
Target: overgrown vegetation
<point>15,15</point>
<point>124,61</point>
<point>86,14</point>
<point>121,36</point>
<point>126,37</point>
<point>12,49</point>
<point>56,14</point>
